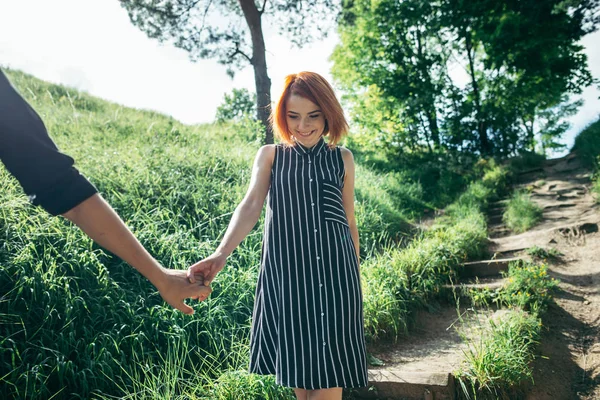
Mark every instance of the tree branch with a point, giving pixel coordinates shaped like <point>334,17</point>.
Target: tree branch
<point>240,52</point>
<point>262,10</point>
<point>186,11</point>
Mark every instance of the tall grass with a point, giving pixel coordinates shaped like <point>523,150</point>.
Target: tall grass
<point>596,184</point>
<point>404,279</point>
<point>77,322</point>
<point>521,212</point>
<point>498,359</point>
<point>587,144</point>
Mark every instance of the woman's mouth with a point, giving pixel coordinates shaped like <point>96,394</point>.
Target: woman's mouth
<point>305,134</point>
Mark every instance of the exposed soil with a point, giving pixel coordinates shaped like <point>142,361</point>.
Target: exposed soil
<point>568,363</point>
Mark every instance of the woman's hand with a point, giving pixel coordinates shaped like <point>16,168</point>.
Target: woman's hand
<point>207,268</point>
<point>174,287</point>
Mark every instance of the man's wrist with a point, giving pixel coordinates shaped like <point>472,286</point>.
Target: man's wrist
<point>156,274</point>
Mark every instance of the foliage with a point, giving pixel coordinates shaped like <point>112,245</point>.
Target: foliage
<point>497,361</point>
<point>232,32</point>
<point>587,147</point>
<point>587,144</point>
<point>543,253</point>
<point>239,385</point>
<point>554,124</point>
<point>236,106</point>
<point>596,184</point>
<point>526,160</point>
<point>528,287</point>
<point>521,212</point>
<point>77,322</point>
<point>401,280</point>
<point>395,61</point>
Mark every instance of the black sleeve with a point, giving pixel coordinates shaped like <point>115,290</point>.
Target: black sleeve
<point>46,175</point>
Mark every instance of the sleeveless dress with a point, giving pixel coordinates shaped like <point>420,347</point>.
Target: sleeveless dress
<point>307,322</point>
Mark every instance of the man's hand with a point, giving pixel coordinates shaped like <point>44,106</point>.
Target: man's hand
<point>174,287</point>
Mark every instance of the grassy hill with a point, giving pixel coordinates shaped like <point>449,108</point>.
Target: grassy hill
<point>76,322</point>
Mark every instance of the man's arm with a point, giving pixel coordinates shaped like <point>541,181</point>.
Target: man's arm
<point>99,221</point>
<point>51,181</point>
<point>47,176</point>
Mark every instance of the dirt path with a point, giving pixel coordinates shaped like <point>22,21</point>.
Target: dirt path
<point>421,365</point>
<point>568,366</point>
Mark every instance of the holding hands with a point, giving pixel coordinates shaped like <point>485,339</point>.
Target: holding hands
<point>204,271</point>
<point>174,288</point>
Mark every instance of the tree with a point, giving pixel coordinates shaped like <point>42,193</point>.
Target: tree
<point>232,32</point>
<point>520,56</point>
<point>528,54</point>
<point>393,46</point>
<point>239,104</point>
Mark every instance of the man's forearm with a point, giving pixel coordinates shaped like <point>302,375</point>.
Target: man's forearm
<point>97,219</point>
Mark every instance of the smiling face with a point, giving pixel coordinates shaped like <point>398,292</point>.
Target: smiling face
<point>305,120</point>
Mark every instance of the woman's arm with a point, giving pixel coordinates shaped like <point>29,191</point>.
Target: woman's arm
<point>348,197</point>
<point>244,218</point>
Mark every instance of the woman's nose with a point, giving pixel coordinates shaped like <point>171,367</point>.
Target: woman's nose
<point>303,123</point>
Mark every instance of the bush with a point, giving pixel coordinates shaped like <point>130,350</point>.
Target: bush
<point>587,144</point>
<point>497,361</point>
<point>521,213</point>
<point>528,287</point>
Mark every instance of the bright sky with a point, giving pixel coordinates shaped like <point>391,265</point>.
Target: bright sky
<point>92,45</point>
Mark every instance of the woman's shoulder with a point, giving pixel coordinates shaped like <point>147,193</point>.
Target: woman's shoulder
<point>346,154</point>
<point>266,153</point>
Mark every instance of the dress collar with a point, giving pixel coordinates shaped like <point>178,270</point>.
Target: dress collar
<point>315,150</point>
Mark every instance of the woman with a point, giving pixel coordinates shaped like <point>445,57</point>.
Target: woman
<point>307,325</point>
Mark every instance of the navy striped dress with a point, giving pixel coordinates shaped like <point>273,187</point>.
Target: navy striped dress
<point>307,323</point>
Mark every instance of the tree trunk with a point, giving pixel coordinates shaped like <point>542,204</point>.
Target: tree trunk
<point>433,126</point>
<point>259,62</point>
<point>481,129</point>
<point>429,103</point>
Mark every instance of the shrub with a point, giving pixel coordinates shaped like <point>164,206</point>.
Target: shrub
<point>497,361</point>
<point>521,213</point>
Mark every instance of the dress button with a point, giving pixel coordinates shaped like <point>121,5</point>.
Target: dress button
<point>312,204</point>
<point>322,314</point>
<point>315,230</point>
<point>318,258</point>
<point>311,180</point>
<point>321,285</point>
<point>323,343</point>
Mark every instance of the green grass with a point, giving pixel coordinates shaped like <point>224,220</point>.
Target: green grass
<point>596,186</point>
<point>521,213</point>
<point>587,144</point>
<point>403,279</point>
<point>77,322</point>
<point>498,360</point>
<point>527,286</point>
<point>526,160</point>
<point>542,253</point>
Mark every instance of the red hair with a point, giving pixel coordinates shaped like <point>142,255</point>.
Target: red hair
<point>315,88</point>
